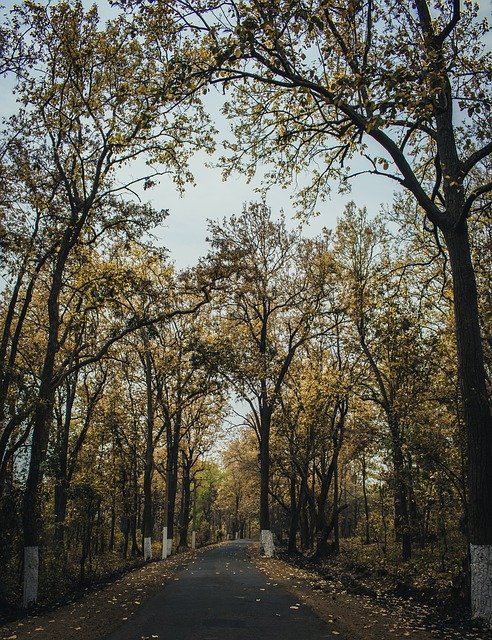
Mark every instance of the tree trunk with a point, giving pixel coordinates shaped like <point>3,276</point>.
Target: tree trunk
<point>60,505</point>
<point>32,496</point>
<point>173,438</point>
<point>294,515</point>
<point>61,473</point>
<point>135,550</point>
<point>125,520</point>
<point>165,550</point>
<point>402,520</point>
<point>266,534</point>
<point>185,506</point>
<point>171,497</point>
<point>336,519</point>
<point>40,435</point>
<point>147,522</point>
<point>31,520</point>
<point>265,475</point>
<point>367,537</point>
<point>383,519</point>
<point>323,529</point>
<point>478,419</point>
<point>322,532</point>
<point>304,529</point>
<point>113,524</point>
<point>193,533</point>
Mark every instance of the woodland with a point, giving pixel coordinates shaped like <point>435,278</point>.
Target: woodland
<point>328,394</point>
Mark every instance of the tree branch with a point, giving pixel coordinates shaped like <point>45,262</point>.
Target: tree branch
<point>468,164</point>
<point>479,191</point>
<point>451,24</point>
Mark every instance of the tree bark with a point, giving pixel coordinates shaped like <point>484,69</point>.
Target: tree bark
<point>367,536</point>
<point>478,418</point>
<point>294,515</point>
<point>174,433</point>
<point>61,472</point>
<point>31,519</point>
<point>147,517</point>
<point>265,418</point>
<point>264,480</point>
<point>185,506</point>
<point>336,519</point>
<point>402,519</point>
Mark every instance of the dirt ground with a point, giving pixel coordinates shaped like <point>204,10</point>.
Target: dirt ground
<point>95,615</point>
<point>351,616</point>
<point>356,616</point>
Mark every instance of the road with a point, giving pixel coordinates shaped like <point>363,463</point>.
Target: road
<point>221,595</point>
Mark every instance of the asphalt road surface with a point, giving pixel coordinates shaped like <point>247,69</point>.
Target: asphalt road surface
<point>221,595</point>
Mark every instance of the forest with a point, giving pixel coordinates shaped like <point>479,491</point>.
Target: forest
<point>328,394</point>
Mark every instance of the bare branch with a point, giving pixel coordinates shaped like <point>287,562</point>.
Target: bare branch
<point>451,24</point>
<point>470,162</point>
<point>476,193</point>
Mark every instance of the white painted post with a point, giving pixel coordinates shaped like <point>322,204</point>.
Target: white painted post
<point>147,548</point>
<point>169,546</point>
<point>481,581</point>
<point>31,574</point>
<point>193,539</point>
<point>164,543</point>
<point>266,538</point>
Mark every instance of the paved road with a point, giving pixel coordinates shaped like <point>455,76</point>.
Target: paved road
<point>222,596</point>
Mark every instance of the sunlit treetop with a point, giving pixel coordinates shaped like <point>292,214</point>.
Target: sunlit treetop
<point>315,83</point>
<point>99,96</point>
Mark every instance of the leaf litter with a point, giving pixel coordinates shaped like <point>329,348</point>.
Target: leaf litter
<point>91,617</point>
<point>361,612</point>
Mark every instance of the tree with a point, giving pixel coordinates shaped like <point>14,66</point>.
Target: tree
<point>315,405</point>
<point>390,337</point>
<point>384,81</point>
<point>276,298</point>
<point>156,277</point>
<point>202,424</point>
<point>239,485</point>
<point>185,381</point>
<point>64,458</point>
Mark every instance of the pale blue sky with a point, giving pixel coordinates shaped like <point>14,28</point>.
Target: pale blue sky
<point>212,198</point>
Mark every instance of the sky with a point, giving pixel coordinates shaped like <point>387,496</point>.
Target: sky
<point>213,198</point>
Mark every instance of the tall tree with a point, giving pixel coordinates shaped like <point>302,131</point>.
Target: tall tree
<point>202,425</point>
<point>276,298</point>
<point>390,337</point>
<point>239,485</point>
<point>184,380</point>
